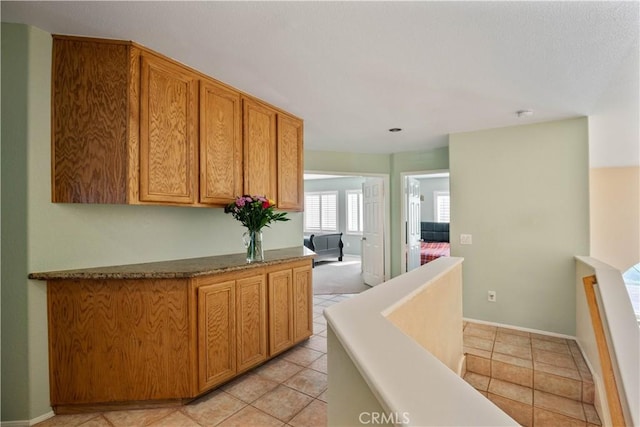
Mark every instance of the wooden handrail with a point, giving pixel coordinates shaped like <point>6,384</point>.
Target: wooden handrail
<point>608,374</point>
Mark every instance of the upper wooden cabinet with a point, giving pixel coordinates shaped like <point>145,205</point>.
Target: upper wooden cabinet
<point>90,121</point>
<point>290,163</point>
<point>273,155</point>
<point>220,143</point>
<point>132,126</point>
<point>260,149</point>
<point>168,132</point>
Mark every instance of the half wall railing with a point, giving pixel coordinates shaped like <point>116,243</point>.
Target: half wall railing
<point>608,334</point>
<point>395,355</point>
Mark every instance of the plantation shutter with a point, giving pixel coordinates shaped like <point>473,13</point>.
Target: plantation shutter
<point>442,207</point>
<point>321,212</point>
<point>354,211</point>
<point>329,214</point>
<point>312,212</point>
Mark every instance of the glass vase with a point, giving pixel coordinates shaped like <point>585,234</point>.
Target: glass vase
<point>253,244</point>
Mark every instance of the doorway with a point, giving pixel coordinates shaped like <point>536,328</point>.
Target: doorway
<point>360,213</point>
<point>425,206</point>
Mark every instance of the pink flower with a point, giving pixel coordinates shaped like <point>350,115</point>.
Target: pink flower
<point>254,212</point>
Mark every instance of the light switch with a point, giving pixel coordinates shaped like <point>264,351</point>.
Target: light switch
<point>465,239</point>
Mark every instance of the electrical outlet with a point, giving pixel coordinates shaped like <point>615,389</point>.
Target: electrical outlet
<point>465,239</point>
<point>491,296</point>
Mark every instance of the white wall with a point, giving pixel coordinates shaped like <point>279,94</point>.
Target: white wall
<point>614,122</point>
<point>522,193</point>
<point>427,188</point>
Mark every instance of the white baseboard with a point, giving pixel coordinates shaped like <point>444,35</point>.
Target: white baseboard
<point>42,418</point>
<point>519,328</point>
<point>27,423</point>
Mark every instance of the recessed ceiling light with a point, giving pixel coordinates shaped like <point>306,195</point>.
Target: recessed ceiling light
<point>524,113</point>
<point>395,130</point>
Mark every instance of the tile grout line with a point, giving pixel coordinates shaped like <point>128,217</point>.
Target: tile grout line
<point>575,366</point>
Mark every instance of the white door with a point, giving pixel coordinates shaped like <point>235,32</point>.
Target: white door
<point>373,231</point>
<point>412,222</point>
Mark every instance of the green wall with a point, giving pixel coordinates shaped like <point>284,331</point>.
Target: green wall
<point>353,163</point>
<point>437,159</point>
<point>40,236</point>
<point>15,371</point>
<point>522,193</point>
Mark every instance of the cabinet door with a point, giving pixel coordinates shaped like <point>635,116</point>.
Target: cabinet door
<point>251,322</point>
<point>290,166</point>
<point>302,303</point>
<point>259,149</point>
<point>280,313</point>
<point>168,126</point>
<point>216,333</point>
<point>220,144</point>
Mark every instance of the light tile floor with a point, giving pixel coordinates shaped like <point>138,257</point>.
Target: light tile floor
<point>522,373</point>
<point>539,380</point>
<point>289,390</point>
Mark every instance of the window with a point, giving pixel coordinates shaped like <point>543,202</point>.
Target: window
<point>441,204</point>
<point>354,211</point>
<point>321,211</point>
<point>632,281</point>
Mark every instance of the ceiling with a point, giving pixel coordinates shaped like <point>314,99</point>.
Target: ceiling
<point>352,70</point>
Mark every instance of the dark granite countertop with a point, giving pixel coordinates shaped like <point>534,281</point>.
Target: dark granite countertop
<point>177,269</point>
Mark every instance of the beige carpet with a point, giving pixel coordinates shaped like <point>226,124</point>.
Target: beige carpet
<point>338,277</point>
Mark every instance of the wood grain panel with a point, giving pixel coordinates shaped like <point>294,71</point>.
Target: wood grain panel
<point>133,147</point>
<point>290,163</point>
<point>216,333</point>
<point>280,312</point>
<point>137,329</point>
<point>251,322</point>
<point>302,304</point>
<point>168,138</point>
<point>89,121</point>
<point>220,144</point>
<point>260,174</point>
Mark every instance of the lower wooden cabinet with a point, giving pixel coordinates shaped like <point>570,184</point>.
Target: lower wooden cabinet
<point>216,333</point>
<point>232,332</point>
<point>290,307</point>
<point>251,322</point>
<point>302,303</point>
<point>114,341</point>
<point>280,311</point>
<point>126,343</point>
